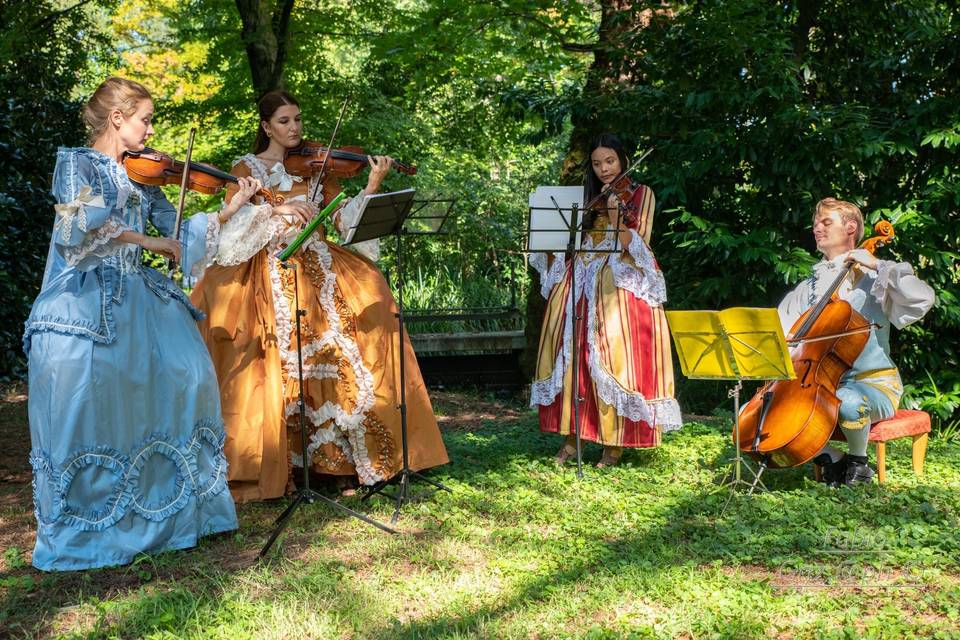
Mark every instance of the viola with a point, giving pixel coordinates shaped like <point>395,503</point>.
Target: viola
<point>153,167</point>
<point>344,162</point>
<point>788,422</point>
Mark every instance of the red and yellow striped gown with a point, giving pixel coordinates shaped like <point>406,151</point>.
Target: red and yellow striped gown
<point>623,344</point>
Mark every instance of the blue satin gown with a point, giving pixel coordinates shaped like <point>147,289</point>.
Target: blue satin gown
<point>127,436</point>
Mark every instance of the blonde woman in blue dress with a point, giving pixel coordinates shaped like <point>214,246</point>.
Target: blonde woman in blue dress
<point>125,425</point>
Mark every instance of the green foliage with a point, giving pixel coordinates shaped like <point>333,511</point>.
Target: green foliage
<point>43,54</point>
<point>754,119</point>
<point>940,401</point>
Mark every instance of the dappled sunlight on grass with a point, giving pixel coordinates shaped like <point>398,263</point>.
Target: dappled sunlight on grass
<point>522,548</point>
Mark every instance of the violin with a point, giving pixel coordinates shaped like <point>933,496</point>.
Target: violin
<point>153,167</point>
<point>624,188</point>
<point>344,162</point>
<point>788,422</point>
<point>310,158</point>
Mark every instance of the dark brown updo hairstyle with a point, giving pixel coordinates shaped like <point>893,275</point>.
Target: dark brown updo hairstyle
<point>267,106</point>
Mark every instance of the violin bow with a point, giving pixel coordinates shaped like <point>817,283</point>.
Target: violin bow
<point>606,191</point>
<point>333,137</point>
<point>184,182</point>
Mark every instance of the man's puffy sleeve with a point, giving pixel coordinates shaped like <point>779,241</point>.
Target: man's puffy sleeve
<point>903,296</point>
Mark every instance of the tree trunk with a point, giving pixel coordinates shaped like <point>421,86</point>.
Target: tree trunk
<point>604,76</point>
<point>266,34</point>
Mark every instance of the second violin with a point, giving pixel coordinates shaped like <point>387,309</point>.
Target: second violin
<point>344,162</point>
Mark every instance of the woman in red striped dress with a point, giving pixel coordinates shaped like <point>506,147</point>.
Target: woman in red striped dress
<point>623,344</point>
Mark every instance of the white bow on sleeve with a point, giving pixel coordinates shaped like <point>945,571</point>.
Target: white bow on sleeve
<point>75,209</point>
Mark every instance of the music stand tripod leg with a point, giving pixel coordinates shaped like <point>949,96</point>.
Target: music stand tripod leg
<point>735,478</point>
<point>402,479</point>
<point>305,494</point>
<point>756,479</point>
<point>574,329</point>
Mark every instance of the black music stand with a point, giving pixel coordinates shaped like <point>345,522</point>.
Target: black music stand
<point>306,495</point>
<point>563,223</point>
<point>383,215</point>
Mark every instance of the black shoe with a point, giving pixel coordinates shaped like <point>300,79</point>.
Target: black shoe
<point>833,474</point>
<point>858,473</point>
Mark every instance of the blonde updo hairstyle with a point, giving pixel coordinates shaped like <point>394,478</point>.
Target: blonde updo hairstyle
<point>112,94</point>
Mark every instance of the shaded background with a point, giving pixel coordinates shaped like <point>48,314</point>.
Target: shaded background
<point>756,110</point>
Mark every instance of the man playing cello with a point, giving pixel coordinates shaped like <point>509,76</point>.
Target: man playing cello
<point>885,293</point>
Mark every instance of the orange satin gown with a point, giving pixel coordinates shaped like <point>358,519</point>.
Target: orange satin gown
<point>351,360</point>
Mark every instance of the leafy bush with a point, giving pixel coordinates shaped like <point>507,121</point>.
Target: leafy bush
<point>43,53</point>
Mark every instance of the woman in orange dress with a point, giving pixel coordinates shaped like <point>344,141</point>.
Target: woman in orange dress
<point>623,344</point>
<point>350,349</point>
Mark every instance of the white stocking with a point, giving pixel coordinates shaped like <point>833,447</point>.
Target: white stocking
<point>857,440</point>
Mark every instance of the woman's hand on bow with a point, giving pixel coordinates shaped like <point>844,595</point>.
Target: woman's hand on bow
<point>167,247</point>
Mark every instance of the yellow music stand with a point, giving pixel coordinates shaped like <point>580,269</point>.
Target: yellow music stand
<point>740,343</point>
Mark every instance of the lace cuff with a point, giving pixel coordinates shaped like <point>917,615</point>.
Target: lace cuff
<point>211,243</point>
<point>643,279</point>
<point>246,233</point>
<point>347,217</point>
<point>96,245</point>
<point>550,272</point>
<point>903,296</point>
<point>369,249</point>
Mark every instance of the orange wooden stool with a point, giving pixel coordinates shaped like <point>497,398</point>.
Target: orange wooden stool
<point>905,422</point>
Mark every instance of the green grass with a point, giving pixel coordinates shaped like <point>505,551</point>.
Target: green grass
<point>522,549</point>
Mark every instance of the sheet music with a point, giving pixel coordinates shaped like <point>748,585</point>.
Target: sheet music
<point>738,343</point>
<point>549,230</point>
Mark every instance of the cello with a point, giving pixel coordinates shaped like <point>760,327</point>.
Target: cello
<point>787,422</point>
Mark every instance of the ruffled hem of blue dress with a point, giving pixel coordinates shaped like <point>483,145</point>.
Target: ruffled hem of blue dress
<point>114,509</point>
<point>190,482</point>
<point>117,560</point>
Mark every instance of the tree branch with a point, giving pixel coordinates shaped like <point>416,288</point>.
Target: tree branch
<point>56,15</point>
<point>579,47</point>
